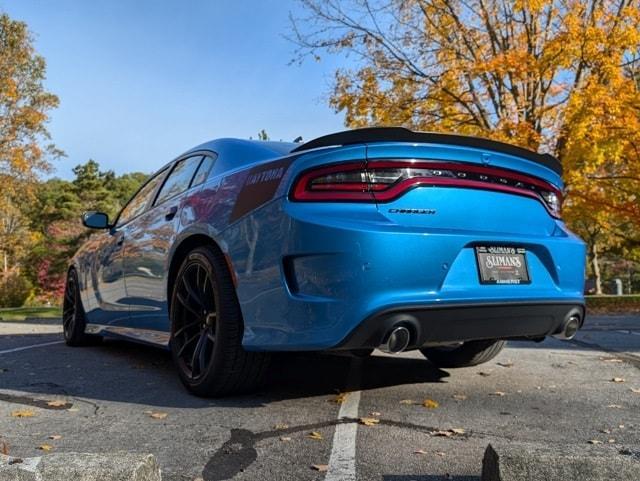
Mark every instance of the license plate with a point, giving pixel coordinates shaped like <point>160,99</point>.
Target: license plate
<point>502,265</point>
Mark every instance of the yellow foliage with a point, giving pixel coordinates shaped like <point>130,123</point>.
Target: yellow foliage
<point>558,76</point>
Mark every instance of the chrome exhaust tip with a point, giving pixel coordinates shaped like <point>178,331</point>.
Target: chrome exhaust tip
<point>396,341</point>
<point>569,328</point>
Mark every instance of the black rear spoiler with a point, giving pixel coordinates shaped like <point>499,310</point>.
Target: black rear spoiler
<point>400,134</point>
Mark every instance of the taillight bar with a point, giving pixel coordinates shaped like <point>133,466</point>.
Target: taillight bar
<point>385,181</point>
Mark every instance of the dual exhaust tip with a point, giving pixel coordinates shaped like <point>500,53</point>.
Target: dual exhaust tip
<point>398,339</point>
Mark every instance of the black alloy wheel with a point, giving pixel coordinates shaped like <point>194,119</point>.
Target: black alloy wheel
<point>194,319</point>
<point>73,317</point>
<point>207,328</point>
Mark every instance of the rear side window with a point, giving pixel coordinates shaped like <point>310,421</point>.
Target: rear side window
<point>203,170</point>
<point>179,179</point>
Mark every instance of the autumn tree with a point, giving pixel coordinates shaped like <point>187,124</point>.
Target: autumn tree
<point>558,76</point>
<point>24,140</point>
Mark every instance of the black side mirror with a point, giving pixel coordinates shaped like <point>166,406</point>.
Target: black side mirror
<point>95,220</point>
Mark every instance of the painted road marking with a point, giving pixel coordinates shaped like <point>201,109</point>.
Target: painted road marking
<point>342,462</point>
<point>32,346</point>
<point>635,333</point>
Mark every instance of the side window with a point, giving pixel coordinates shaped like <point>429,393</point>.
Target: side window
<point>204,169</point>
<point>179,179</point>
<point>138,202</point>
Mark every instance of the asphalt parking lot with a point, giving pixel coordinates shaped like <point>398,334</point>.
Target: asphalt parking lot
<point>120,396</point>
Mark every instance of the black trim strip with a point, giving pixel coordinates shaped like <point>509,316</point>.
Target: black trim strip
<point>400,134</point>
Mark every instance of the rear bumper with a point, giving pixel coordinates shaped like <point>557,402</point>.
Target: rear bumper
<point>324,274</point>
<point>464,322</point>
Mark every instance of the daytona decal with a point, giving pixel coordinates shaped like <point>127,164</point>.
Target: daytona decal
<point>259,187</point>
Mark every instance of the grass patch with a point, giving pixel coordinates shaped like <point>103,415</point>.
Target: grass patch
<point>613,304</point>
<point>22,313</point>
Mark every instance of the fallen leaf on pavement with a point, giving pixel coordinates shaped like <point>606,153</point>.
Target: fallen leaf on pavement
<point>23,413</point>
<point>315,435</point>
<point>281,426</point>
<point>157,414</point>
<point>369,421</point>
<point>440,453</point>
<point>615,406</point>
<point>419,451</point>
<point>320,467</point>
<point>45,447</point>
<point>375,413</point>
<point>285,438</point>
<point>4,448</point>
<point>430,404</point>
<point>505,364</point>
<point>408,401</point>
<point>617,379</point>
<point>637,391</point>
<point>498,393</point>
<point>56,403</point>
<point>340,398</point>
<point>594,441</point>
<point>457,431</point>
<point>611,441</point>
<point>55,437</point>
<point>459,397</point>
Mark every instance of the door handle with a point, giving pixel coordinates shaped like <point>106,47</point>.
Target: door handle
<point>171,213</point>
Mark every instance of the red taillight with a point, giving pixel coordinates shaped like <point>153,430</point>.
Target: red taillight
<point>384,181</point>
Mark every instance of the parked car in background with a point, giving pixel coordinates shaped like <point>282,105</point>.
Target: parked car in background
<point>372,238</point>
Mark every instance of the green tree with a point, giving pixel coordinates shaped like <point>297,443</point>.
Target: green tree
<point>55,219</point>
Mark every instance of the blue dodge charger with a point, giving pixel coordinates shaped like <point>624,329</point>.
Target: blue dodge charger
<point>371,238</point>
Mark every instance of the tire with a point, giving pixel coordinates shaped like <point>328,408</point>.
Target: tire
<point>74,321</point>
<point>468,354</point>
<point>207,328</point>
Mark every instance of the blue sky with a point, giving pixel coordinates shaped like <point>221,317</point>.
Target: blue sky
<point>141,81</point>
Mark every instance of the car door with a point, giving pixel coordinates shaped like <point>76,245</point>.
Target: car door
<point>108,290</point>
<point>149,240</point>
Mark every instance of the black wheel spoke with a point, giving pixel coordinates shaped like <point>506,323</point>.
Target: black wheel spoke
<point>187,306</point>
<point>187,343</point>
<point>68,294</point>
<point>192,292</point>
<point>187,326</point>
<point>198,353</point>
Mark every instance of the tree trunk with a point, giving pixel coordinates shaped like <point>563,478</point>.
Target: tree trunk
<point>596,268</point>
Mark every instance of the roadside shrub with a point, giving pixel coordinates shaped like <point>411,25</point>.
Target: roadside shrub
<point>613,304</point>
<point>14,289</point>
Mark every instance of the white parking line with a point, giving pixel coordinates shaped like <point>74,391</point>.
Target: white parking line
<point>32,346</point>
<point>635,333</point>
<point>342,462</point>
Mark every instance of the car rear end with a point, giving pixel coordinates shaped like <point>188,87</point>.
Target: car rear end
<point>450,239</point>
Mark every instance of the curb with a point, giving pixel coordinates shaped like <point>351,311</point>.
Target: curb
<point>118,466</point>
<point>537,462</point>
